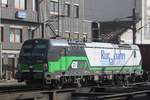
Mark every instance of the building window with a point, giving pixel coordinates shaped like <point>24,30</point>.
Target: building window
<point>4,3</point>
<point>147,34</point>
<point>76,11</point>
<point>53,6</point>
<point>31,34</point>
<point>67,10</point>
<point>20,4</point>
<point>2,33</point>
<point>35,5</point>
<point>15,35</point>
<point>147,29</point>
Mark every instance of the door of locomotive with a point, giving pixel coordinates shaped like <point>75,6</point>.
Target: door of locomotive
<point>63,59</point>
<point>57,59</point>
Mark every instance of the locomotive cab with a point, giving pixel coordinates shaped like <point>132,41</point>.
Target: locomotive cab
<point>32,60</point>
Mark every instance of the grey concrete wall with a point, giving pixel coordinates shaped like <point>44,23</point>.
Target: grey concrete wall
<point>8,19</point>
<point>66,24</point>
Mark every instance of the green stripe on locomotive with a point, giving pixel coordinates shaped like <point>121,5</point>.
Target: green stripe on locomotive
<point>64,63</point>
<point>118,69</point>
<point>37,67</point>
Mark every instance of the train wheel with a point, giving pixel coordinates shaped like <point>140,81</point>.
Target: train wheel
<point>78,81</point>
<point>116,80</point>
<point>28,82</point>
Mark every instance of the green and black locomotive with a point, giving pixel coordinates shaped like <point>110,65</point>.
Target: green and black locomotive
<point>58,61</point>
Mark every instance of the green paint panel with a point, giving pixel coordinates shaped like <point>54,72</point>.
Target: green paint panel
<point>38,66</point>
<point>63,63</point>
<point>35,67</point>
<point>118,68</point>
<point>23,66</point>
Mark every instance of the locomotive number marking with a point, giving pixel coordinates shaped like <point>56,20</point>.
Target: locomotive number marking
<point>74,65</point>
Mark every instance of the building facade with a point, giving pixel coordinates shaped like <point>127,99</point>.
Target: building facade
<point>65,18</point>
<point>18,19</point>
<point>27,19</point>
<point>119,10</point>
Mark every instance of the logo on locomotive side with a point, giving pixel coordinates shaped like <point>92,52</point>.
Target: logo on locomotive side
<point>112,58</point>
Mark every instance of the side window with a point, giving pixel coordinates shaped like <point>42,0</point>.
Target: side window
<point>4,3</point>
<point>76,11</point>
<point>53,54</point>
<point>54,6</point>
<point>15,35</point>
<point>67,10</point>
<point>63,51</point>
<point>21,4</point>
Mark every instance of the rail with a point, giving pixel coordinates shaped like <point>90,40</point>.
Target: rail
<point>128,95</point>
<point>103,96</point>
<point>19,88</point>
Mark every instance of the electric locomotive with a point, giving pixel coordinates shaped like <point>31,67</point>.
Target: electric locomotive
<point>58,61</point>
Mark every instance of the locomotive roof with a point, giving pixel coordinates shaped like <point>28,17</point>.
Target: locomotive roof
<point>55,42</point>
<point>61,42</point>
<point>111,45</point>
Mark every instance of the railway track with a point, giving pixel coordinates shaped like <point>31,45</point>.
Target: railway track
<point>25,88</point>
<point>18,88</point>
<point>24,92</point>
<point>134,92</point>
<point>110,96</point>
